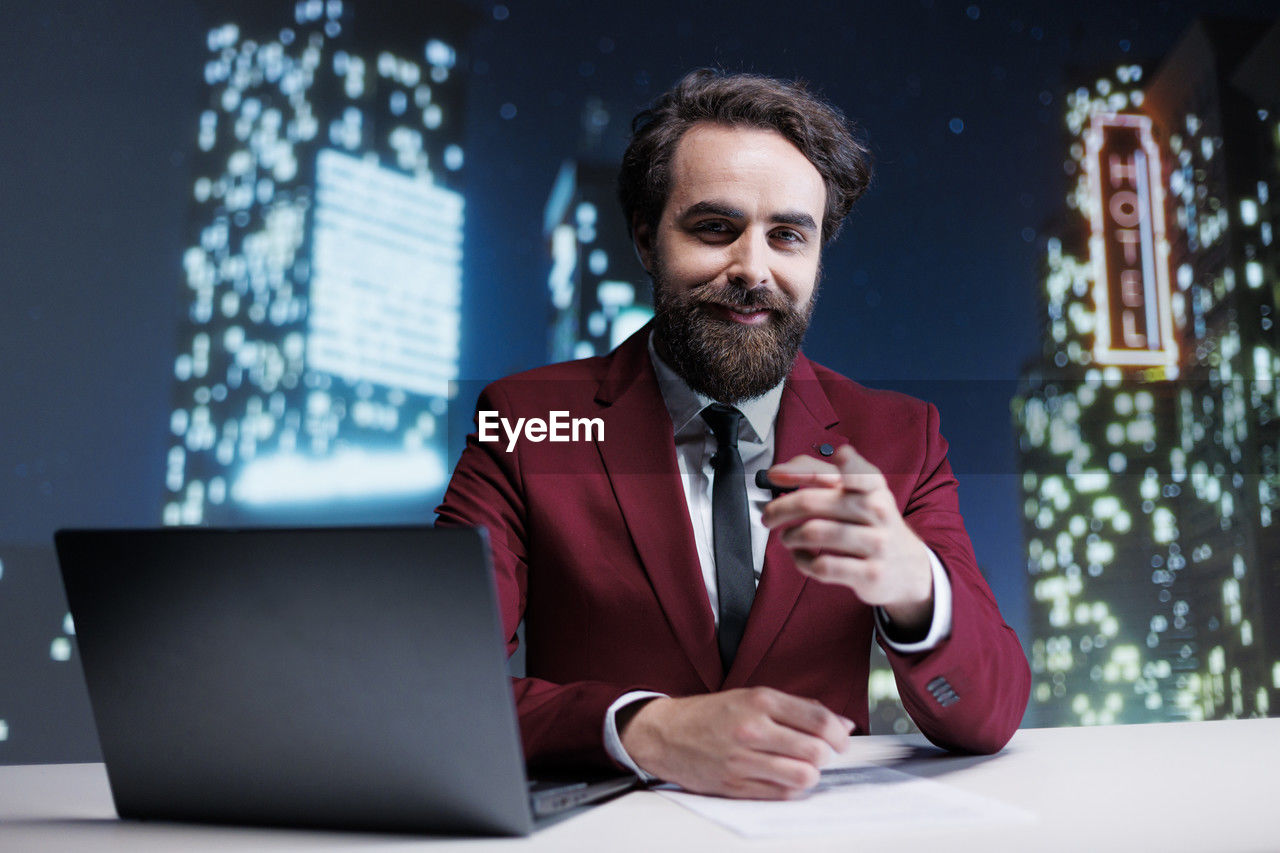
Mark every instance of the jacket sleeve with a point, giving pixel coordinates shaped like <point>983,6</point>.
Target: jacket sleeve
<point>560,724</point>
<point>970,692</point>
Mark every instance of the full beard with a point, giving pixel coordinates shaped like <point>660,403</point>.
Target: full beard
<point>721,359</point>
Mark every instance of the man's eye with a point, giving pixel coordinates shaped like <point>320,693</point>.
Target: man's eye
<point>788,236</point>
<point>713,226</point>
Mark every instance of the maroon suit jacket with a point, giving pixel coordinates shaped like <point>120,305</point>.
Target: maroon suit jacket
<point>593,546</point>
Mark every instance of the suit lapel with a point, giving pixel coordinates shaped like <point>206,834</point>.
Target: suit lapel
<point>805,419</point>
<point>639,457</point>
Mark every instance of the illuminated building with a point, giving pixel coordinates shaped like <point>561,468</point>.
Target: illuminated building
<point>599,292</point>
<point>323,272</point>
<point>1148,428</point>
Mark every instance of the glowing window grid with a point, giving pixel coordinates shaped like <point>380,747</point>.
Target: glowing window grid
<point>386,277</point>
<point>1146,603</point>
<point>325,280</point>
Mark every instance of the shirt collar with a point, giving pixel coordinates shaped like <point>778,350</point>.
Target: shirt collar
<point>684,404</point>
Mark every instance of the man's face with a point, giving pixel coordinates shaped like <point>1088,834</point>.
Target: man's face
<point>735,259</point>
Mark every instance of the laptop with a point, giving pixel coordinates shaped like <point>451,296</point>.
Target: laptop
<point>350,678</point>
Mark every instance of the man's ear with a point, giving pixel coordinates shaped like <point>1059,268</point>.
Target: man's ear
<point>642,240</point>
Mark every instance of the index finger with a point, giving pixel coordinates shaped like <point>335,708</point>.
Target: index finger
<point>812,717</point>
<point>804,470</point>
<point>852,463</point>
<point>848,470</point>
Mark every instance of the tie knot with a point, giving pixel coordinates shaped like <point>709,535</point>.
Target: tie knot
<point>723,421</point>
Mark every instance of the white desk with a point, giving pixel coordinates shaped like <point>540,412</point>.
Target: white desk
<point>1169,787</point>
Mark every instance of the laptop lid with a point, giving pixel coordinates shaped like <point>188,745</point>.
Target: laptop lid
<point>341,677</point>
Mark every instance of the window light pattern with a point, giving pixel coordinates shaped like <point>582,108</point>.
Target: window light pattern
<point>599,292</point>
<point>1149,490</point>
<point>323,277</point>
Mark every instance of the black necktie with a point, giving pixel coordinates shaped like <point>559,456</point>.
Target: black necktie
<point>735,577</point>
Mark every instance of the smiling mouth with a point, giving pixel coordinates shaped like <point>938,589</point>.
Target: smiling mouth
<point>739,314</point>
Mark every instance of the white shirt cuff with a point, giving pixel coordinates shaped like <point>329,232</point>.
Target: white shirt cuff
<point>939,627</point>
<point>613,741</point>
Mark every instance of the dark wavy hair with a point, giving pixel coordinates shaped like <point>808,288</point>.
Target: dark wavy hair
<point>818,129</point>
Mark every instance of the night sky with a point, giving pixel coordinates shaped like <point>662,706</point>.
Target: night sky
<point>932,288</point>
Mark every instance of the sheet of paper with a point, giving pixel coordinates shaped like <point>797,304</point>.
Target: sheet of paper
<point>858,798</point>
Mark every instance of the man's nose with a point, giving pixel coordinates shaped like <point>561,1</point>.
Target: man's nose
<point>749,260</point>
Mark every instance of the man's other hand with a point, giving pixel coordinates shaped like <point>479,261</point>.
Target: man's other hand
<point>755,742</point>
<point>842,525</point>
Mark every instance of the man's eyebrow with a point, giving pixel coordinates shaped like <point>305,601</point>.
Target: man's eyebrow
<point>714,208</point>
<point>796,218</point>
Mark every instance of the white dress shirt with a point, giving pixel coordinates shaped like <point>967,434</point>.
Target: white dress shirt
<point>695,445</point>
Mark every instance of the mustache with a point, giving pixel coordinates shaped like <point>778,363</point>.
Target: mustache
<point>730,296</point>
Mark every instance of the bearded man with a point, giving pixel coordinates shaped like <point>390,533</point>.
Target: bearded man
<point>702,579</point>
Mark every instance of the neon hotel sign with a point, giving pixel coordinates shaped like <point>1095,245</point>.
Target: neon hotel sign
<point>1128,248</point>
